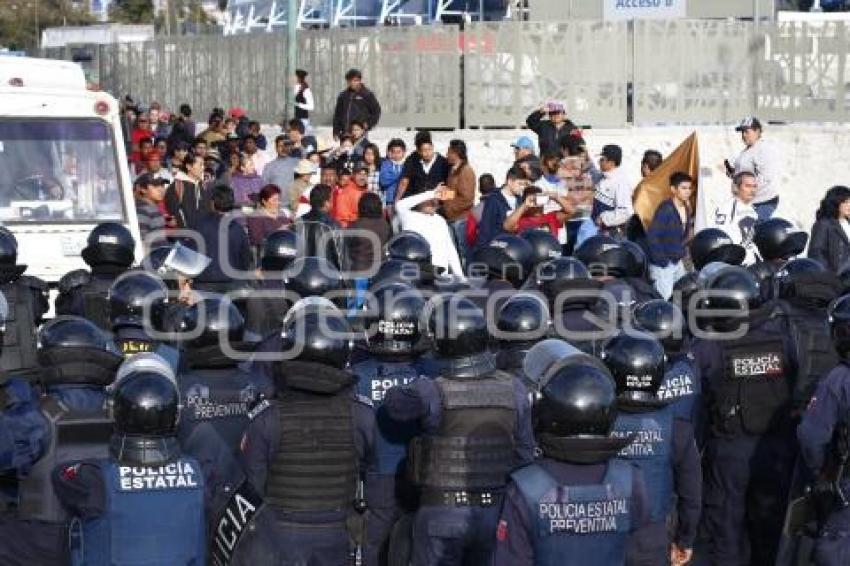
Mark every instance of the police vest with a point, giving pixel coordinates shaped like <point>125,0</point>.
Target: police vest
<point>473,447</point>
<point>19,342</point>
<point>221,397</point>
<point>153,515</point>
<point>588,522</point>
<point>315,466</point>
<point>681,387</point>
<point>651,451</point>
<point>753,393</point>
<point>814,352</point>
<point>95,303</point>
<point>374,378</point>
<point>74,436</point>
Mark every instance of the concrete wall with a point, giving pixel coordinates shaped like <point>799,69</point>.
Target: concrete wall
<point>813,157</point>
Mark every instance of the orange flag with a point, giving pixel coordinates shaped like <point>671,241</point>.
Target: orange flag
<point>654,189</point>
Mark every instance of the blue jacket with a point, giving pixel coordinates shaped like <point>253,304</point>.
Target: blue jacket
<point>496,209</point>
<point>388,178</point>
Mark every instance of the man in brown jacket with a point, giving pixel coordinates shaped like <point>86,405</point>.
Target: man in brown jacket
<point>461,182</point>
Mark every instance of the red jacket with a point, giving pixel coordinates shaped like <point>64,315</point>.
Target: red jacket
<point>345,201</point>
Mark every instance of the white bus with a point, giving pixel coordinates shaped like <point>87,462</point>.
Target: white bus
<point>63,165</point>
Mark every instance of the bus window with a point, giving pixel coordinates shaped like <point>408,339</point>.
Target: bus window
<point>58,170</point>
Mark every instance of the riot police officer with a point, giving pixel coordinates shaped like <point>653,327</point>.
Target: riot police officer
<point>747,367</point>
<point>805,288</point>
<point>307,449</point>
<point>109,252</point>
<point>138,303</point>
<point>26,298</point>
<point>823,436</point>
<point>778,240</point>
<point>409,246</point>
<point>546,519</point>
<point>620,265</point>
<point>144,501</point>
<point>213,388</point>
<point>545,247</point>
<point>663,448</point>
<point>77,361</point>
<point>475,428</point>
<point>571,292</point>
<point>504,264</point>
<point>264,308</point>
<point>521,323</point>
<point>395,343</point>
<point>681,386</point>
<point>713,244</point>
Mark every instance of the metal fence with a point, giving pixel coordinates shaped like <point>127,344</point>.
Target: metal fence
<point>494,74</point>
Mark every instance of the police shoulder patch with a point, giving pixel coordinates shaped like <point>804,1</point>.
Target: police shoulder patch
<point>74,279</point>
<point>257,409</point>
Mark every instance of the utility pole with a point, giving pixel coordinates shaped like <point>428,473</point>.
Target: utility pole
<point>291,62</point>
<point>816,7</point>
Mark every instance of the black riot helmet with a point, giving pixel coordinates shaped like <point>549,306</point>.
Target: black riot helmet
<point>279,250</point>
<point>394,320</point>
<point>409,246</point>
<point>457,326</point>
<point>778,239</point>
<point>839,325</point>
<point>764,272</point>
<point>605,256</point>
<point>713,244</point>
<point>637,362</point>
<point>318,335</point>
<point>544,245</point>
<point>661,319</point>
<point>552,276</point>
<point>398,271</point>
<point>579,400</point>
<point>312,277</point>
<point>135,295</point>
<point>523,318</point>
<point>74,350</point>
<point>109,243</point>
<point>8,248</point>
<point>733,288</point>
<point>145,399</point>
<point>807,279</point>
<point>506,257</point>
<point>209,321</point>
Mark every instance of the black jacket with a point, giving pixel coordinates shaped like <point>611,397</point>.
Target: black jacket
<point>350,106</point>
<point>312,229</point>
<point>548,138</point>
<point>829,244</point>
<point>237,254</point>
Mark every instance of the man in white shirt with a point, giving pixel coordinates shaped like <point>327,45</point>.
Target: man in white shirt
<point>737,217</point>
<point>758,158</point>
<point>612,201</point>
<point>418,213</point>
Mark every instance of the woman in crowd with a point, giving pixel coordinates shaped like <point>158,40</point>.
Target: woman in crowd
<point>245,181</point>
<point>830,242</point>
<point>372,157</point>
<point>362,249</point>
<point>267,218</point>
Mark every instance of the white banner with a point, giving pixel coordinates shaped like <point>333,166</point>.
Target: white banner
<point>617,10</point>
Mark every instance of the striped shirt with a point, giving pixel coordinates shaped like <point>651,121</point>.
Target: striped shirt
<point>150,220</point>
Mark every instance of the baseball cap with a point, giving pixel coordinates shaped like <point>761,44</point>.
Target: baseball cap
<point>305,167</point>
<point>747,123</point>
<point>612,152</point>
<point>555,106</point>
<point>237,112</point>
<point>523,142</point>
<point>146,179</point>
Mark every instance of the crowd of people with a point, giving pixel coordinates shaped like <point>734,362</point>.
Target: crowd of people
<point>342,357</point>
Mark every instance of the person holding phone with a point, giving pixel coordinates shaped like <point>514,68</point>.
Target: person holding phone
<point>530,214</point>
